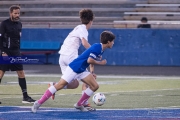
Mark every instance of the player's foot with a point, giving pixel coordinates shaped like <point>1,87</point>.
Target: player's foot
<point>89,107</point>
<point>28,100</point>
<point>82,108</point>
<point>35,107</point>
<point>49,85</point>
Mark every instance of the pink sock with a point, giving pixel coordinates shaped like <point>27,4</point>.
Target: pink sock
<point>45,97</point>
<point>87,93</point>
<point>83,99</point>
<point>49,92</point>
<point>85,102</point>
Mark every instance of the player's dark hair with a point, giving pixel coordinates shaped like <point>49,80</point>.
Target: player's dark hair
<point>107,36</point>
<point>14,7</point>
<point>86,15</point>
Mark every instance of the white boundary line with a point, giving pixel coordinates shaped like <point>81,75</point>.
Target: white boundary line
<point>62,109</point>
<point>99,76</point>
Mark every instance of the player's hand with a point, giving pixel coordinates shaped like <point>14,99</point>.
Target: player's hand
<point>100,57</point>
<point>4,54</point>
<point>103,62</point>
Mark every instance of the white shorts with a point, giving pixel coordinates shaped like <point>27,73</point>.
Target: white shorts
<point>70,75</point>
<point>65,60</point>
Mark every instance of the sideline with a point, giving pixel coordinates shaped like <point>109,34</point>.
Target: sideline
<point>100,76</point>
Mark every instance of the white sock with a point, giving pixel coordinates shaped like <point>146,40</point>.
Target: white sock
<point>52,89</point>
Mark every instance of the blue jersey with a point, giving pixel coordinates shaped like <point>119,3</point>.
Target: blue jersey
<point>80,64</point>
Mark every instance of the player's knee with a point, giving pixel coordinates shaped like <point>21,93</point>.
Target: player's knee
<point>76,84</point>
<point>73,85</point>
<point>94,87</point>
<point>21,74</point>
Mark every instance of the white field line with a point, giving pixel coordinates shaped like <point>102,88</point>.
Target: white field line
<point>113,92</point>
<point>73,109</point>
<point>100,76</point>
<point>141,90</point>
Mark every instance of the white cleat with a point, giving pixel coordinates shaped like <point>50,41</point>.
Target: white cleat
<point>35,107</point>
<point>82,108</point>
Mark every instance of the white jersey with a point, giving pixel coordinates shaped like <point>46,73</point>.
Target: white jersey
<point>73,41</point>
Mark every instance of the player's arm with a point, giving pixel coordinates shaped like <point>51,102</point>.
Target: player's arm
<point>97,62</point>
<point>91,67</point>
<point>85,43</point>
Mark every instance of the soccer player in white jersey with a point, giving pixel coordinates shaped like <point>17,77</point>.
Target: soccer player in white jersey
<point>77,69</point>
<point>69,49</point>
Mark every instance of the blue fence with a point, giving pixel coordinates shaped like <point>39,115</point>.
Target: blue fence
<point>147,47</point>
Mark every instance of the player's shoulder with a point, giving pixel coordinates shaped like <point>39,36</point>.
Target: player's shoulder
<point>81,27</point>
<point>96,46</point>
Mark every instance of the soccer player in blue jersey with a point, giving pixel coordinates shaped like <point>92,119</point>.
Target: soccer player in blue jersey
<point>77,69</point>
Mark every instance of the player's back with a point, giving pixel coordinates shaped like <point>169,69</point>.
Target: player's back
<point>73,41</point>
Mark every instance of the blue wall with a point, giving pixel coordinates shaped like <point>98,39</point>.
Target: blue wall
<point>147,47</point>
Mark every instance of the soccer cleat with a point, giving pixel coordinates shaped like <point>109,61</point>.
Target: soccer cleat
<point>49,85</point>
<point>28,100</point>
<point>89,108</point>
<point>35,107</point>
<point>82,108</point>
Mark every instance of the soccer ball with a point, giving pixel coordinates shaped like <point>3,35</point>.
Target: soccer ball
<point>99,99</point>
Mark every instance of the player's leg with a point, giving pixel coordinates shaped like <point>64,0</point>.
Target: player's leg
<point>65,79</point>
<point>73,84</point>
<point>1,75</point>
<point>92,87</point>
<point>3,69</point>
<point>23,86</point>
<point>2,72</point>
<point>48,93</point>
<point>86,104</point>
<point>64,61</point>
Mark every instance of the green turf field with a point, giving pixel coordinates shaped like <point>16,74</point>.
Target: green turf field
<point>121,92</point>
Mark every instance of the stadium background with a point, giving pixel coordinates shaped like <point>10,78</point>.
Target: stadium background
<point>51,21</point>
<point>136,53</point>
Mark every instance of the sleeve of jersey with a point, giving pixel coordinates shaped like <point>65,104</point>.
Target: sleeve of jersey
<point>83,34</point>
<point>95,53</point>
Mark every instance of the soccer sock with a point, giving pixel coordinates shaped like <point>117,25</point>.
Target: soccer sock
<point>22,84</point>
<point>49,92</point>
<point>86,102</point>
<point>87,94</point>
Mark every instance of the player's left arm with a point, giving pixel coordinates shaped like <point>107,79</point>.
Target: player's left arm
<point>97,62</point>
